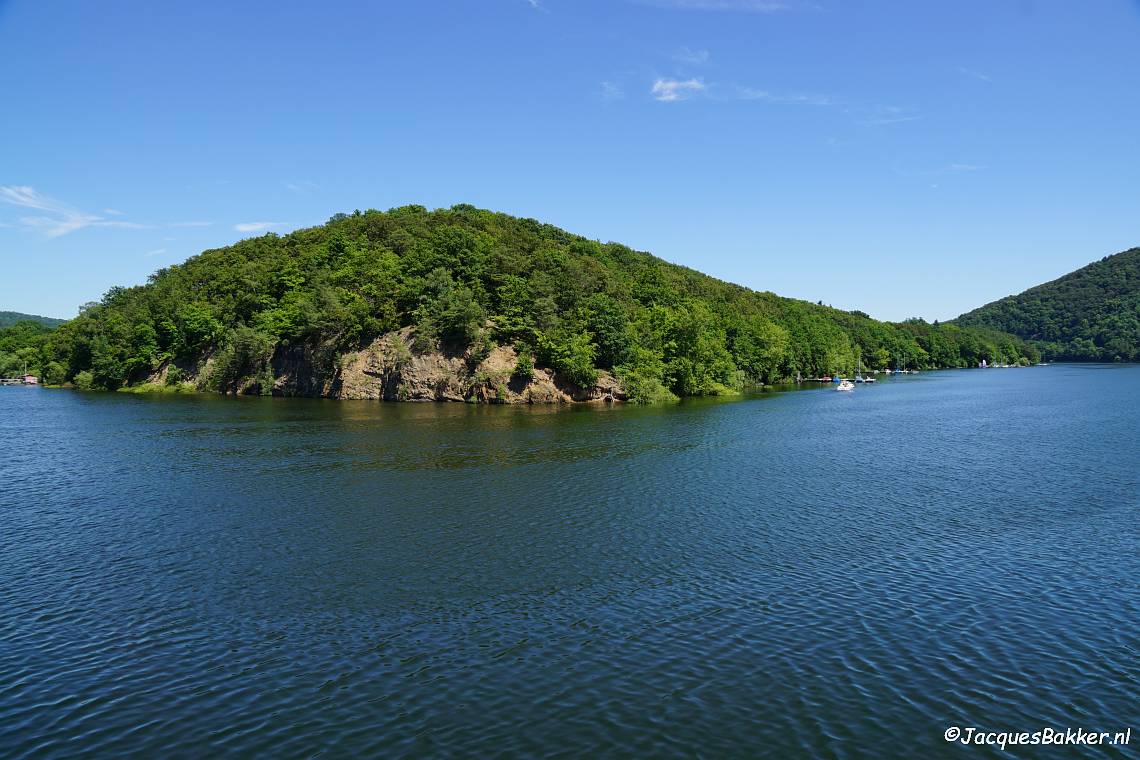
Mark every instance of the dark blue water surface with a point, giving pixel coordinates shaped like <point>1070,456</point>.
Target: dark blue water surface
<point>796,574</point>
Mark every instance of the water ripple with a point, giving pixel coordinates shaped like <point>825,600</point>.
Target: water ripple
<point>805,574</point>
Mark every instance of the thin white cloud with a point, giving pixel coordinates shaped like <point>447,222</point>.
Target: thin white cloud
<point>537,6</point>
<point>21,195</point>
<point>876,116</point>
<point>302,187</point>
<point>256,226</point>
<point>155,252</point>
<point>751,6</point>
<point>936,174</point>
<point>974,74</point>
<point>749,93</point>
<point>123,225</point>
<point>59,218</point>
<point>55,227</point>
<point>672,90</point>
<point>611,91</point>
<point>692,57</point>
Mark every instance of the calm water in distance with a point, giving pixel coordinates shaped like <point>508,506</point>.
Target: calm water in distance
<point>785,575</point>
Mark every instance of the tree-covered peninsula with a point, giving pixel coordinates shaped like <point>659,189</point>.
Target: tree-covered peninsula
<point>1092,314</point>
<point>462,304</point>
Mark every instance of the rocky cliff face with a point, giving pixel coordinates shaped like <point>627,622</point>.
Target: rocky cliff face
<point>392,369</point>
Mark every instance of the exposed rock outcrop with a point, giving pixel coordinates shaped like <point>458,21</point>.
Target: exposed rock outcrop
<point>392,369</point>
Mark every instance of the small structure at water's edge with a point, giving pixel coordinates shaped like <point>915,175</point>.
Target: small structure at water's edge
<point>25,380</point>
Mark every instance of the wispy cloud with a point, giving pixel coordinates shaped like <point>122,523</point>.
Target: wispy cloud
<point>974,74</point>
<point>537,5</point>
<point>671,90</point>
<point>58,218</point>
<point>155,252</point>
<point>750,6</point>
<point>21,195</point>
<point>611,91</point>
<point>256,226</point>
<point>799,99</point>
<point>303,188</point>
<point>875,116</point>
<point>935,174</point>
<point>692,57</point>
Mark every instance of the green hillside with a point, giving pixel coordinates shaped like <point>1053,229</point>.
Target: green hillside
<point>465,280</point>
<point>1092,314</point>
<point>22,347</point>
<point>9,318</point>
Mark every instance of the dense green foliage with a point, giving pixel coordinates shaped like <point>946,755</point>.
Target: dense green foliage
<point>9,318</point>
<point>22,348</point>
<point>1092,314</point>
<point>468,277</point>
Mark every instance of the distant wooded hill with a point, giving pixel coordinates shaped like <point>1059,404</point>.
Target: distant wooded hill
<point>1092,314</point>
<point>9,318</point>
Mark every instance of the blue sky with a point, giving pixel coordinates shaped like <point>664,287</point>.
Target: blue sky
<point>904,158</point>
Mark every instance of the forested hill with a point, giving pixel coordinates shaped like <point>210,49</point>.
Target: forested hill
<point>466,282</point>
<point>9,318</point>
<point>1092,314</point>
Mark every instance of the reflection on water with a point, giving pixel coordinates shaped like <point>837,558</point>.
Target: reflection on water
<point>780,575</point>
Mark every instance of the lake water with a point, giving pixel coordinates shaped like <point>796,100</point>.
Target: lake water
<point>795,574</point>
